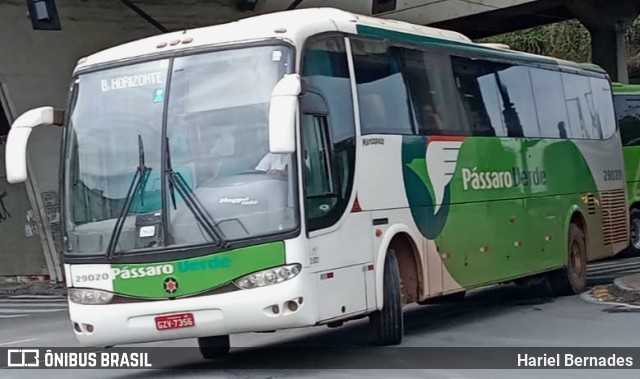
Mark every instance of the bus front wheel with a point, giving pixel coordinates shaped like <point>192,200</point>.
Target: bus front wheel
<point>387,324</point>
<point>572,279</point>
<point>214,347</point>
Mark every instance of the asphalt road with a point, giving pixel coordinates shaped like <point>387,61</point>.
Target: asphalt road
<point>501,317</point>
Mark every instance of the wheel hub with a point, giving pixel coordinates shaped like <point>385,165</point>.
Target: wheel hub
<point>576,260</point>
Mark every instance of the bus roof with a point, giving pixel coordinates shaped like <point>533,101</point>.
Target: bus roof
<point>591,67</point>
<point>297,25</point>
<point>623,89</point>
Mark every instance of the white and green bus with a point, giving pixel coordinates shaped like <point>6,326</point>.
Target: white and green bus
<point>315,166</point>
<point>626,98</point>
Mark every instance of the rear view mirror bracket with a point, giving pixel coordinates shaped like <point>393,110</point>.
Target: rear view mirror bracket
<point>18,138</point>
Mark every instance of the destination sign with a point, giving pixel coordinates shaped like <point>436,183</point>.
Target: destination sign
<point>132,81</point>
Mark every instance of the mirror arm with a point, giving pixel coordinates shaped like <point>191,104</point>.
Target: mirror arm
<point>58,117</point>
<point>38,117</point>
<point>18,138</point>
<point>303,87</point>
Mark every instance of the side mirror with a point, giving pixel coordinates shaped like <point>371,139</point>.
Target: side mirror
<point>16,149</point>
<point>282,114</point>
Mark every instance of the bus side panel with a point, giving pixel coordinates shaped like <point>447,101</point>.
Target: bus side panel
<point>341,292</point>
<point>632,173</point>
<point>482,239</point>
<point>385,173</point>
<point>338,257</point>
<point>627,102</point>
<point>499,206</point>
<point>605,161</point>
<point>549,219</point>
<point>547,231</point>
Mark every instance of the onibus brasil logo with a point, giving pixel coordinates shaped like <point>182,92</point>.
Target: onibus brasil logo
<point>30,358</point>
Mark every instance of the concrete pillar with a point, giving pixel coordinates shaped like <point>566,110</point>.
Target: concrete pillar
<point>609,50</point>
<point>623,59</point>
<point>607,21</point>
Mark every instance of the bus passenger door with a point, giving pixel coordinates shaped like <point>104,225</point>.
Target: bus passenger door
<point>339,243</point>
<point>339,246</point>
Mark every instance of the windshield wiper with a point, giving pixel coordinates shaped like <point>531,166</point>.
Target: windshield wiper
<point>138,183</point>
<point>176,181</point>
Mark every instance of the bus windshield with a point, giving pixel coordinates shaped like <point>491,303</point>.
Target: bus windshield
<point>208,113</point>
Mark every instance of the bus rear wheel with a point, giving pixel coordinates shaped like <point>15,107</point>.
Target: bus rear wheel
<point>214,347</point>
<point>572,279</point>
<point>387,324</point>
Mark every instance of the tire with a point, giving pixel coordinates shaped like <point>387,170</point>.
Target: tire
<point>634,241</point>
<point>214,347</point>
<point>387,324</point>
<point>572,279</point>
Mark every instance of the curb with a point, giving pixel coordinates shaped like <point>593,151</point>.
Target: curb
<point>588,297</point>
<point>629,292</point>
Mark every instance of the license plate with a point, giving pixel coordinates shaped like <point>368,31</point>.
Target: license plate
<point>183,320</point>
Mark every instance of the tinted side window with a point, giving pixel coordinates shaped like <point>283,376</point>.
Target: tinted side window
<point>423,75</point>
<point>580,107</point>
<point>628,112</point>
<point>550,105</point>
<point>382,93</point>
<point>328,131</point>
<point>479,96</point>
<point>604,115</point>
<point>497,97</point>
<point>518,105</point>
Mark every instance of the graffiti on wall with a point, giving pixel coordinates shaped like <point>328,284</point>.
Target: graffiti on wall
<point>4,212</point>
<point>52,211</point>
<point>31,227</point>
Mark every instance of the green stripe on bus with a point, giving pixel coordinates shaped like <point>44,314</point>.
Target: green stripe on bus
<point>194,275</point>
<point>619,88</point>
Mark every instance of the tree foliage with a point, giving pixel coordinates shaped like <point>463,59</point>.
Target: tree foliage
<point>564,40</point>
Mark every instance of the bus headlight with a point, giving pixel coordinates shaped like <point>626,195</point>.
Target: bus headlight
<point>89,296</point>
<point>268,277</point>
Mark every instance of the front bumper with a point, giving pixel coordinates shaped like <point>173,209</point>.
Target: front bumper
<point>240,311</point>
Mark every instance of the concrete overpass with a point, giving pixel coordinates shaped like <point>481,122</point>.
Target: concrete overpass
<point>606,20</point>
<point>38,55</point>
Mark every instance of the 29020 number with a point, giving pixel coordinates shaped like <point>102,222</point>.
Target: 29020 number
<point>612,175</point>
<point>92,277</point>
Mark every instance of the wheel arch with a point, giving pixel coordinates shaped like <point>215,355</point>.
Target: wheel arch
<point>399,238</point>
<point>575,215</point>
